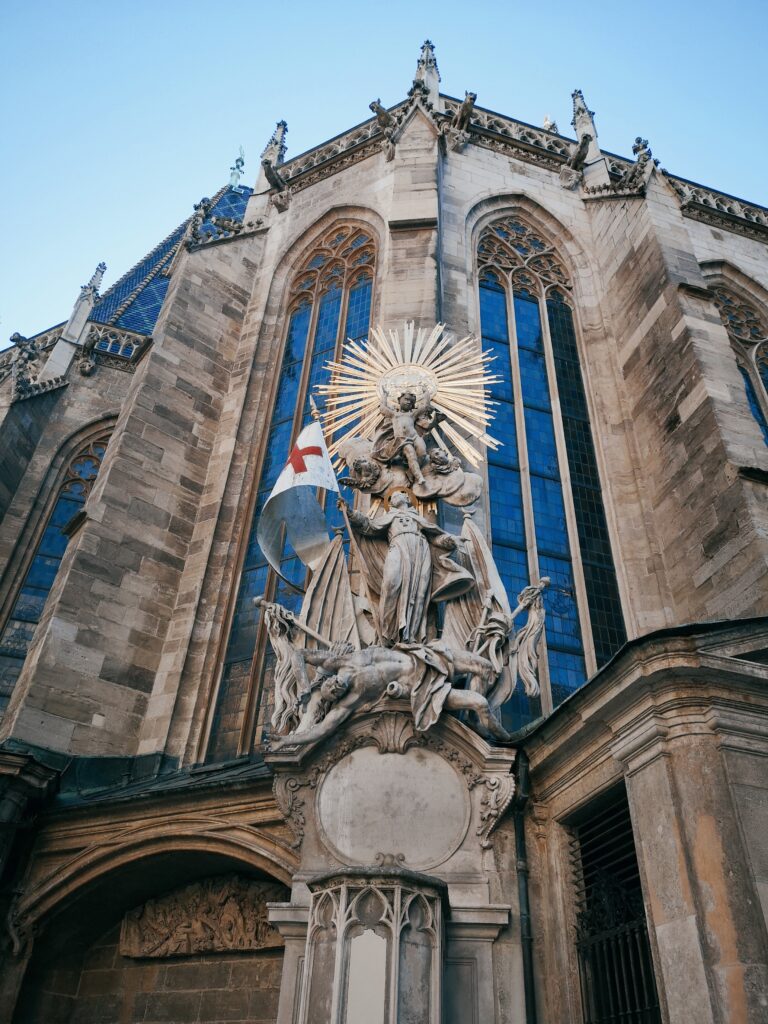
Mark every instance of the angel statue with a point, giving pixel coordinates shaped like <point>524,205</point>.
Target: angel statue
<point>412,569</point>
<point>401,434</point>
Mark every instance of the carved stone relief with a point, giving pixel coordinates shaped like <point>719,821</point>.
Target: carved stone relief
<point>214,916</point>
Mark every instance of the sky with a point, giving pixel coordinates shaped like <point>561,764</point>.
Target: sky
<point>119,116</point>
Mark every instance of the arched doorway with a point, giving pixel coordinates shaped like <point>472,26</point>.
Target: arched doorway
<point>178,936</point>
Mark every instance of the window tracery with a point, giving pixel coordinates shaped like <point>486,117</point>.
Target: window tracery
<point>547,514</point>
<point>747,328</point>
<point>72,493</point>
<point>329,301</point>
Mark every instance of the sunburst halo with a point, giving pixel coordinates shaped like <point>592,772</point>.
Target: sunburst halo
<point>452,377</point>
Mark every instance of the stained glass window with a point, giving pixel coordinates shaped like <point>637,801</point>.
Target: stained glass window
<point>27,609</point>
<point>547,515</point>
<point>330,301</point>
<point>748,331</point>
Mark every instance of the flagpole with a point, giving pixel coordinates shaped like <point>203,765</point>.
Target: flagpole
<point>260,602</point>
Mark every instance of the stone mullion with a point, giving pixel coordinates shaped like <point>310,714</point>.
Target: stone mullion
<point>525,486</point>
<point>582,604</point>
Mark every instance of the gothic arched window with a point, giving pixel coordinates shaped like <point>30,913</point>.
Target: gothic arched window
<point>330,301</point>
<point>547,515</point>
<point>748,331</point>
<point>70,496</point>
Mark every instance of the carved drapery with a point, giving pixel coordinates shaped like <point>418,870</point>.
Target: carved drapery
<point>214,916</point>
<point>747,327</point>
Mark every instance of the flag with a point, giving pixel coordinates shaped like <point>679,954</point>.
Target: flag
<point>293,502</point>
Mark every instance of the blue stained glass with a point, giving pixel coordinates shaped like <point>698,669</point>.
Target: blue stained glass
<point>549,517</point>
<point>512,564</point>
<point>762,367</point>
<point>562,623</point>
<point>493,314</point>
<point>540,438</point>
<point>30,601</point>
<point>567,672</point>
<point>358,312</point>
<point>754,404</point>
<point>505,430</point>
<point>506,507</point>
<point>603,599</point>
<point>235,681</point>
<point>528,324</point>
<point>296,341</point>
<point>533,376</point>
<point>323,349</point>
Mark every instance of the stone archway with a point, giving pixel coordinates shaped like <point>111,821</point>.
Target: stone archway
<point>177,936</point>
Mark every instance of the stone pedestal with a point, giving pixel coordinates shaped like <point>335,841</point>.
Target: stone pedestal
<point>395,898</point>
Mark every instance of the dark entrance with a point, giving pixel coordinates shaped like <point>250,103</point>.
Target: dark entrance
<point>615,965</point>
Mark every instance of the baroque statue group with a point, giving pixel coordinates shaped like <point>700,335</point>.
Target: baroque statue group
<point>412,612</point>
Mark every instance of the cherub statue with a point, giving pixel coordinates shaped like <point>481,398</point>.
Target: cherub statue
<point>400,436</point>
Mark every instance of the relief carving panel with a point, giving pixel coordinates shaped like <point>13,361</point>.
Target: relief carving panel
<point>216,915</point>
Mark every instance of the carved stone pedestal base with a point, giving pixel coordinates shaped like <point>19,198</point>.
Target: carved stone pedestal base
<point>373,949</point>
<point>399,894</point>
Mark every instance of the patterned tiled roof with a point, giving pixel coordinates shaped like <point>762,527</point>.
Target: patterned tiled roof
<point>134,301</point>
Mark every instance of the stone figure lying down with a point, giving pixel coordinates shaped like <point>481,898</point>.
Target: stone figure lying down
<point>347,679</point>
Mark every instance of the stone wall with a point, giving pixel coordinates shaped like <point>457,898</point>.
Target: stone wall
<point>103,987</point>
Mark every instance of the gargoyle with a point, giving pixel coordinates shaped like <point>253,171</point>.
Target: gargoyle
<point>383,117</point>
<point>578,157</point>
<point>462,118</point>
<point>274,177</point>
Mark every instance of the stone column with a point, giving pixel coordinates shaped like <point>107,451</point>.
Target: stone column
<point>704,916</point>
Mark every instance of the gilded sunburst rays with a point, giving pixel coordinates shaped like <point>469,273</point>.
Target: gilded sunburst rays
<point>451,376</point>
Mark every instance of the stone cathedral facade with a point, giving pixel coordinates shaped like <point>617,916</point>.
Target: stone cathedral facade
<point>162,856</point>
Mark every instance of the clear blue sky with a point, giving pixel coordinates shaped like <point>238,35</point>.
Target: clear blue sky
<point>119,116</point>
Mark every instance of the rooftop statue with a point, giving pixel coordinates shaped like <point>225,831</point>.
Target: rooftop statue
<point>362,638</point>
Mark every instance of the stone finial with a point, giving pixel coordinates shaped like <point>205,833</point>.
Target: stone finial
<point>427,77</point>
<point>550,125</point>
<point>236,170</point>
<point>84,303</point>
<point>584,124</point>
<point>97,277</point>
<point>276,147</point>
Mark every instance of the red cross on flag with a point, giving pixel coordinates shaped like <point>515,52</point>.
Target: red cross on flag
<point>293,502</point>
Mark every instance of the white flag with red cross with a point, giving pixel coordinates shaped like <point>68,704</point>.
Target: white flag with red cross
<point>292,510</point>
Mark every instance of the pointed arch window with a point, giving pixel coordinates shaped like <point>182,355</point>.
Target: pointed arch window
<point>330,301</point>
<point>547,513</point>
<point>747,328</point>
<point>76,483</point>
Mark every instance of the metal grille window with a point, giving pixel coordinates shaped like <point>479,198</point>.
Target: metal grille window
<point>615,966</point>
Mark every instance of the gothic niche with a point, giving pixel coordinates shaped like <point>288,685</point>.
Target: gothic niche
<point>216,915</point>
